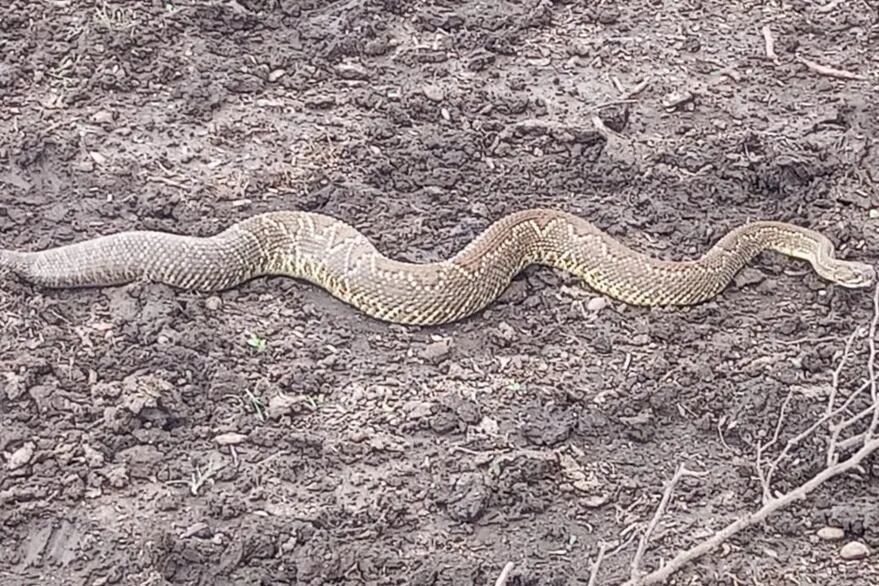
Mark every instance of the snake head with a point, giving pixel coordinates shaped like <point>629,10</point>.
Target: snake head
<point>853,275</point>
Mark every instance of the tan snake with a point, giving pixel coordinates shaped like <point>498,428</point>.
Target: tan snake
<point>337,257</point>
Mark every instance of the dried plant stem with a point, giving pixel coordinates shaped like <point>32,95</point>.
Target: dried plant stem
<point>660,511</point>
<point>830,71</point>
<point>596,565</point>
<point>751,519</point>
<point>504,575</point>
<point>769,43</point>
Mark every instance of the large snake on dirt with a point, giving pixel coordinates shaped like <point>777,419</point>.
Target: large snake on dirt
<point>337,257</point>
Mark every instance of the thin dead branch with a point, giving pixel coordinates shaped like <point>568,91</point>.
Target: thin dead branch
<point>680,473</point>
<point>834,380</point>
<point>596,565</point>
<point>769,43</point>
<point>751,519</point>
<point>871,364</point>
<point>604,131</point>
<point>766,479</point>
<point>865,442</point>
<point>637,89</point>
<point>830,71</point>
<point>504,575</point>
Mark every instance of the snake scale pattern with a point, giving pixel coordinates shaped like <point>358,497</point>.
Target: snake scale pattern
<point>337,257</point>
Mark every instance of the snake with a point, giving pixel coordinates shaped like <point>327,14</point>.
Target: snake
<point>336,256</point>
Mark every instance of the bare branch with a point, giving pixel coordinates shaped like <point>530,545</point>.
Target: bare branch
<point>596,565</point>
<point>751,519</point>
<point>834,381</point>
<point>834,445</point>
<point>829,414</point>
<point>864,444</point>
<point>766,481</point>
<point>830,71</point>
<point>657,515</point>
<point>505,575</point>
<point>871,363</point>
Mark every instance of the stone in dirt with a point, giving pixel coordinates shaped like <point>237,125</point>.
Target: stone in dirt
<point>437,351</point>
<point>854,550</point>
<point>596,304</point>
<point>831,533</point>
<point>21,457</point>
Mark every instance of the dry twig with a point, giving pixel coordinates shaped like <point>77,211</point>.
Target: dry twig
<point>871,364</point>
<point>751,519</point>
<point>830,71</point>
<point>766,479</point>
<point>769,43</point>
<point>504,575</point>
<point>834,381</point>
<point>660,511</point>
<point>596,565</point>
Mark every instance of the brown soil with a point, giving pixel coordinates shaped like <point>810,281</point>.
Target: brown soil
<point>376,454</point>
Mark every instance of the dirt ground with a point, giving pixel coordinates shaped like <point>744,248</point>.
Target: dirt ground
<point>272,435</point>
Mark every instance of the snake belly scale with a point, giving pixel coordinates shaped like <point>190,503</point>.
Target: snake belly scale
<point>336,256</point>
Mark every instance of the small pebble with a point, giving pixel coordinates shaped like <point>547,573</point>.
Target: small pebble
<point>433,93</point>
<point>418,410</point>
<point>21,456</point>
<point>93,457</point>
<point>676,99</point>
<point>488,426</point>
<point>609,15</point>
<point>854,550</point>
<point>118,476</point>
<point>596,304</point>
<point>584,485</point>
<point>747,277</point>
<point>352,71</point>
<point>506,332</point>
<point>831,533</point>
<point>102,117</point>
<point>200,529</point>
<point>281,405</point>
<point>213,303</point>
<point>595,501</point>
<point>436,351</point>
<point>12,385</point>
<point>276,74</point>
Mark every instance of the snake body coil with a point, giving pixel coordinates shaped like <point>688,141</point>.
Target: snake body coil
<point>335,256</point>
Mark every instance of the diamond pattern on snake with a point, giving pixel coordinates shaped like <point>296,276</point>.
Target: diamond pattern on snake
<point>334,255</point>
